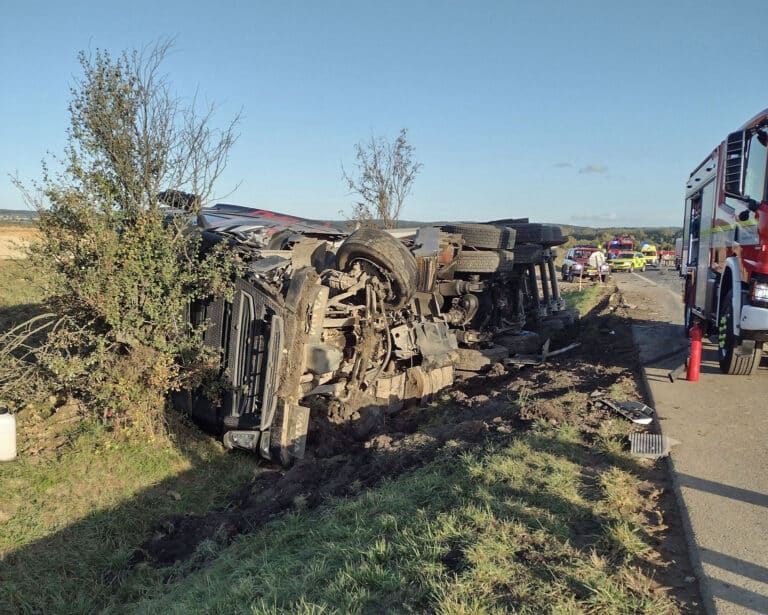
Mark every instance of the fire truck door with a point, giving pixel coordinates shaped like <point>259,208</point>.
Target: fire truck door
<point>704,280</point>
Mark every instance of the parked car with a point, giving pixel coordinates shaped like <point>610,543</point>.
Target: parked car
<point>576,265</point>
<point>628,261</point>
<point>333,325</point>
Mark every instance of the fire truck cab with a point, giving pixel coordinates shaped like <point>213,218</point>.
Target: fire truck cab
<point>725,246</point>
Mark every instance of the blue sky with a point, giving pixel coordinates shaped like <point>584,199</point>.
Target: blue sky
<point>581,112</point>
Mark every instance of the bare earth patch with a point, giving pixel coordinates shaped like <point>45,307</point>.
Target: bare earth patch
<point>14,239</point>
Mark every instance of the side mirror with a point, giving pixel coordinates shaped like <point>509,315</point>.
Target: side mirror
<point>734,164</point>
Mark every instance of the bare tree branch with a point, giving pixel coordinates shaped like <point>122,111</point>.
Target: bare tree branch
<point>384,176</point>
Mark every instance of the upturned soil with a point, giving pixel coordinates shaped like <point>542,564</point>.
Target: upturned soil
<point>343,460</point>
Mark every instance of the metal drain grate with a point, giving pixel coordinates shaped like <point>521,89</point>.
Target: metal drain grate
<point>650,445</point>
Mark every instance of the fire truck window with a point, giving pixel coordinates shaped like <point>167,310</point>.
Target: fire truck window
<point>695,226</point>
<point>754,176</point>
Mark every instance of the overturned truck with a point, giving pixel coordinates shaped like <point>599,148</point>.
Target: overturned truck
<point>337,320</point>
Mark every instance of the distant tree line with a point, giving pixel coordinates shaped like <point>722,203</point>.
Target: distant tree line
<point>662,237</point>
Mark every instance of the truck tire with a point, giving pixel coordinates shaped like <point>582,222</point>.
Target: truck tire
<point>485,261</point>
<point>544,234</point>
<point>730,359</point>
<point>386,253</point>
<point>528,254</point>
<point>485,236</point>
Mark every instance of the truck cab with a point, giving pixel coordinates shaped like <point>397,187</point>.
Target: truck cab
<point>725,246</point>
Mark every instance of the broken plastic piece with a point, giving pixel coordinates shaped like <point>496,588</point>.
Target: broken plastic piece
<point>635,411</point>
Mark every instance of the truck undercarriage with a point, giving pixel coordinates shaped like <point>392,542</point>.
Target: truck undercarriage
<point>345,321</point>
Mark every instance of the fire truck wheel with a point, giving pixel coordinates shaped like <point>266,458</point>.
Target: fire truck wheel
<point>484,235</point>
<point>385,253</point>
<point>734,360</point>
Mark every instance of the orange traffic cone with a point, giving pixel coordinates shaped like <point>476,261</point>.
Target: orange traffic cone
<point>694,363</point>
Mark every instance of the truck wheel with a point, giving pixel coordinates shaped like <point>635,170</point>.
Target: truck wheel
<point>544,234</point>
<point>731,360</point>
<point>484,235</point>
<point>388,255</point>
<point>529,254</point>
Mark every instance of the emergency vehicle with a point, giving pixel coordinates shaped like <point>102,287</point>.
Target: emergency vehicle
<point>650,254</point>
<point>725,246</point>
<point>621,243</point>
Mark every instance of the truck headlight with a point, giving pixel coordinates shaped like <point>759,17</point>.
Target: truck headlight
<point>758,291</point>
<point>577,267</point>
<point>605,267</point>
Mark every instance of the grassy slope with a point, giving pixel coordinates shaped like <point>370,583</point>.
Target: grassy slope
<point>497,528</point>
<point>491,530</point>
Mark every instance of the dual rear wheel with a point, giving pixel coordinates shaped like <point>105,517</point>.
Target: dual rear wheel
<point>733,357</point>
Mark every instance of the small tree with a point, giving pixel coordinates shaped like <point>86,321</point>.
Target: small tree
<point>383,179</point>
<point>119,272</point>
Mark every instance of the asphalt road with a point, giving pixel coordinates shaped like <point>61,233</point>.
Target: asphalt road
<point>720,465</point>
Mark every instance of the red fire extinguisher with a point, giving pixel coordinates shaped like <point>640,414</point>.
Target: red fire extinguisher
<point>694,363</point>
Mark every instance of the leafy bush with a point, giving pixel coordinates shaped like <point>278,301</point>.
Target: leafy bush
<point>119,269</point>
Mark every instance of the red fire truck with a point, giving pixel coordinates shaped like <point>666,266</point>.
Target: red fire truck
<point>725,246</point>
<point>621,243</point>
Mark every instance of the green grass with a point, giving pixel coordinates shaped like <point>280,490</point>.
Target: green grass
<point>513,525</point>
<point>488,531</point>
<point>585,299</point>
<point>74,521</point>
<point>20,293</point>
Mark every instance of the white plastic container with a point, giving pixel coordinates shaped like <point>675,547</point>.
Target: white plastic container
<point>7,435</point>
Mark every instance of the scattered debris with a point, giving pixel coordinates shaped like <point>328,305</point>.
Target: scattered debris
<point>635,411</point>
<point>677,373</point>
<point>521,359</point>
